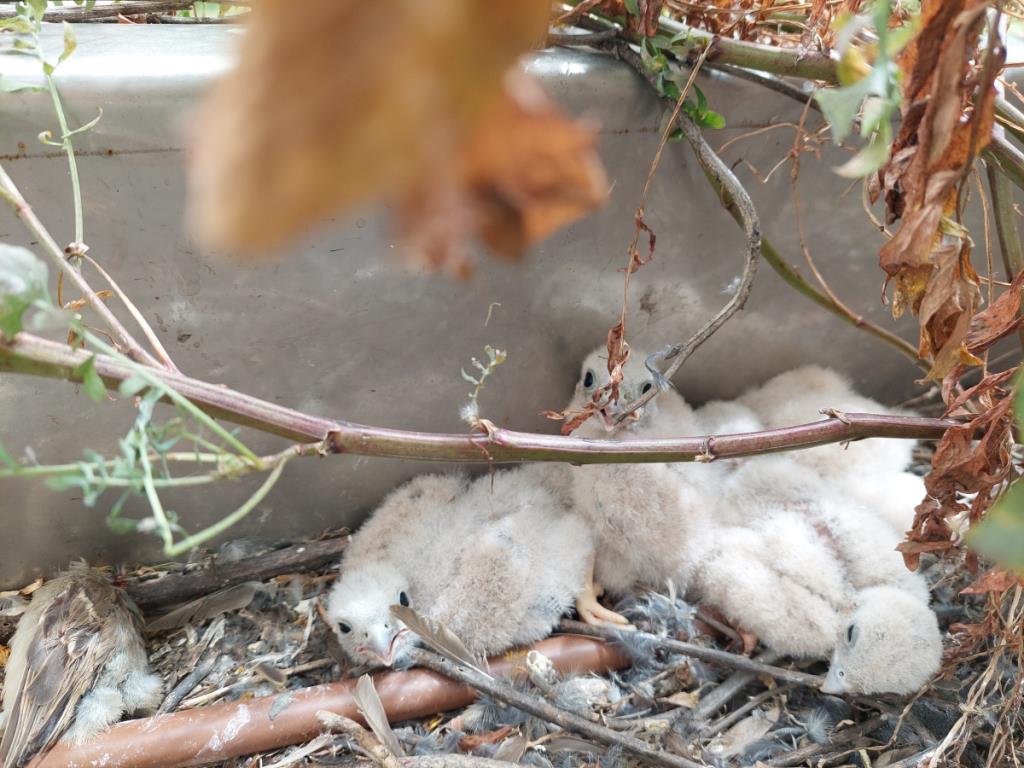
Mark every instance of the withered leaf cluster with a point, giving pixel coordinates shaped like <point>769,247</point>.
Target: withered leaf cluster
<point>336,104</point>
<point>943,129</point>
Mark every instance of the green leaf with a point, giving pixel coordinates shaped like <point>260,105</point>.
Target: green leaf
<point>132,386</point>
<point>711,119</point>
<point>631,7</point>
<point>676,135</point>
<point>18,25</point>
<point>13,86</point>
<point>999,536</point>
<point>23,278</point>
<point>38,8</point>
<point>6,458</point>
<point>869,159</point>
<point>91,381</point>
<point>702,102</point>
<point>70,43</point>
<point>88,126</point>
<point>841,105</point>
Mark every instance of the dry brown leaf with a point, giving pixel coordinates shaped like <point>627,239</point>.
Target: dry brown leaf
<point>525,171</point>
<point>941,133</point>
<point>339,103</point>
<point>998,320</point>
<point>474,741</point>
<point>996,580</point>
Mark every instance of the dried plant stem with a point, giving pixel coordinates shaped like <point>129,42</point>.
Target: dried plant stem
<point>9,192</point>
<point>789,62</point>
<point>771,255</point>
<point>33,355</point>
<point>710,655</point>
<point>713,166</point>
<point>125,7</point>
<point>540,708</point>
<point>177,587</point>
<point>638,217</point>
<point>146,328</point>
<point>1007,233</point>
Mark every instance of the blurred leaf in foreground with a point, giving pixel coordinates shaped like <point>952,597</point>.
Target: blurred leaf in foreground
<point>336,103</point>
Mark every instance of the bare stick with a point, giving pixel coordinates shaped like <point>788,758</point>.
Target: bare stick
<point>715,728</point>
<point>146,328</point>
<point>546,711</point>
<point>710,655</point>
<point>10,193</point>
<point>33,355</point>
<point>713,165</point>
<point>845,736</point>
<point>125,8</point>
<point>788,62</point>
<point>726,691</point>
<point>177,587</point>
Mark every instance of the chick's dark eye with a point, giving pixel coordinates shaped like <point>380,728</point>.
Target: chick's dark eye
<point>646,388</point>
<point>849,634</point>
<point>588,379</point>
<point>403,599</point>
<point>345,628</point>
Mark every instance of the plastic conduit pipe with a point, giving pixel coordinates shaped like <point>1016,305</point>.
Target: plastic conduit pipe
<point>222,731</point>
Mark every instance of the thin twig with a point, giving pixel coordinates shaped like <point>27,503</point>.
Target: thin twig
<point>538,707</point>
<point>146,328</point>
<point>710,655</point>
<point>727,721</point>
<point>771,255</point>
<point>714,166</point>
<point>580,38</point>
<point>789,62</point>
<point>638,217</point>
<point>1006,227</point>
<point>124,7</point>
<point>188,684</point>
<point>726,691</point>
<point>10,192</point>
<point>845,736</point>
<point>33,355</point>
<point>172,588</point>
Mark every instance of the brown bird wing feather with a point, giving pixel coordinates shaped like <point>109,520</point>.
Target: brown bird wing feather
<point>71,642</point>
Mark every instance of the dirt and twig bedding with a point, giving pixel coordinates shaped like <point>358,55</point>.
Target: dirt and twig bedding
<point>253,633</point>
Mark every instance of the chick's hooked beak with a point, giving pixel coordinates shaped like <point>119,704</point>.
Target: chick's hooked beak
<point>382,644</point>
<point>612,413</point>
<point>834,683</point>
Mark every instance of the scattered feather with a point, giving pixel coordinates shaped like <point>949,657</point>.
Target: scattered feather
<point>439,638</point>
<point>207,607</point>
<point>370,707</point>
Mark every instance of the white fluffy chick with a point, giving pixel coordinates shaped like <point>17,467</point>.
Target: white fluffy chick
<point>497,561</point>
<point>871,471</point>
<point>775,499</point>
<point>794,575</point>
<point>77,665</point>
<point>643,516</point>
<point>890,643</point>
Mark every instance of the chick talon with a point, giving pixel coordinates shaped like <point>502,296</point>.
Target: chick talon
<point>593,613</point>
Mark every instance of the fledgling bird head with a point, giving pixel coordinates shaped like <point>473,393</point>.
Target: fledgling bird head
<point>360,607</point>
<point>890,644</point>
<point>636,381</point>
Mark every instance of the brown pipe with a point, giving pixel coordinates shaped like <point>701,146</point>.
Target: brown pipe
<point>222,731</point>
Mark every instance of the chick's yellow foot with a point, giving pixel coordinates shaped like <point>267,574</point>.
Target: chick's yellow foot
<point>592,612</point>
